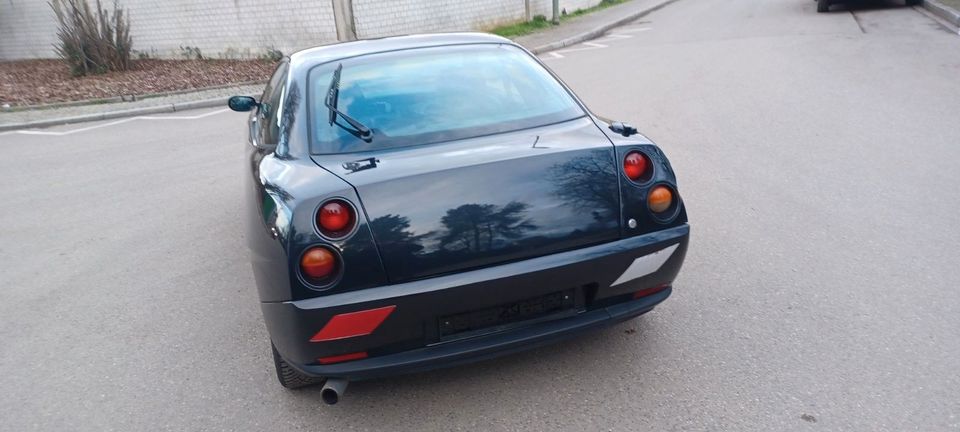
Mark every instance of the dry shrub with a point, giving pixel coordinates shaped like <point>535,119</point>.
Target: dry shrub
<point>92,42</point>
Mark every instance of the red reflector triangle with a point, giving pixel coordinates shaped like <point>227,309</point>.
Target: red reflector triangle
<point>353,324</point>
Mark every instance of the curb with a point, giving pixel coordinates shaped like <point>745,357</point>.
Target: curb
<point>599,31</point>
<point>943,11</point>
<point>118,99</point>
<point>168,108</point>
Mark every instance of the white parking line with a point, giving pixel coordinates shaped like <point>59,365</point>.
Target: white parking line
<point>634,30</point>
<point>114,123</point>
<point>595,44</point>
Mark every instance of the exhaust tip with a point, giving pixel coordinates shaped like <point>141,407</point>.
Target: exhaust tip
<point>333,390</point>
<point>330,397</point>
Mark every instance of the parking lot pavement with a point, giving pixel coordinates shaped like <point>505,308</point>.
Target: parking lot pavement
<point>816,154</point>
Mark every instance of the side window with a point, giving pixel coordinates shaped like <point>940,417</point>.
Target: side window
<point>271,105</point>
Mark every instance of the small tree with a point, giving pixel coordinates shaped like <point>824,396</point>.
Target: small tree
<point>92,42</point>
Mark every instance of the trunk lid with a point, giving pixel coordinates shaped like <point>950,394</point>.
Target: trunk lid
<point>477,202</point>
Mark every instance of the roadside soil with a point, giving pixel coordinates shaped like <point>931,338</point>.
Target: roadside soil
<point>33,82</point>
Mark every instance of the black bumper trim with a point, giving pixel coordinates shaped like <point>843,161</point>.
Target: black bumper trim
<point>485,347</point>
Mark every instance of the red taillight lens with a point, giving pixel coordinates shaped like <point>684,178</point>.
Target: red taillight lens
<point>636,166</point>
<point>335,218</point>
<point>318,263</point>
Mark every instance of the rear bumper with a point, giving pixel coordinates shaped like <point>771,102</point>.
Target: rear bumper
<point>484,347</point>
<point>410,340</point>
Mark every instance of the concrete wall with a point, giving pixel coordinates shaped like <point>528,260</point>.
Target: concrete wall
<point>28,29</point>
<point>545,7</point>
<point>246,28</point>
<point>375,18</point>
<point>219,28</point>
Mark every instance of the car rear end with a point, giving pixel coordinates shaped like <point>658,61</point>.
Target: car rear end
<point>431,246</point>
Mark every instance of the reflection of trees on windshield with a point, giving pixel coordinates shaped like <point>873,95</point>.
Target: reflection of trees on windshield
<point>584,182</point>
<point>480,227</point>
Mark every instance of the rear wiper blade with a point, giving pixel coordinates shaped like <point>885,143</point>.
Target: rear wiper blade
<point>333,96</point>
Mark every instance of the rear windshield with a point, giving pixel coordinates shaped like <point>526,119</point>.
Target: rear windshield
<point>429,95</point>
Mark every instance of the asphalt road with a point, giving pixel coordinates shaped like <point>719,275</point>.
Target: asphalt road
<point>817,154</point>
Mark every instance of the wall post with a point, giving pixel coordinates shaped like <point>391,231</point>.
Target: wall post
<point>343,18</point>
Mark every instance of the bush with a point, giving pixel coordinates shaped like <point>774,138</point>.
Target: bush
<point>92,42</point>
<point>272,55</point>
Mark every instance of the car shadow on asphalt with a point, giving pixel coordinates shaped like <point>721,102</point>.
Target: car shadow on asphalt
<point>866,5</point>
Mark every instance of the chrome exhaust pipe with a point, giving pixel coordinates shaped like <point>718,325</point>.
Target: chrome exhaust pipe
<point>333,390</point>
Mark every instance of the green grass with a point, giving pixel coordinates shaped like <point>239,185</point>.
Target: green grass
<point>540,22</point>
<point>955,4</point>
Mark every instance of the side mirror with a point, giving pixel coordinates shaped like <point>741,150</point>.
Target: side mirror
<point>623,128</point>
<point>242,103</point>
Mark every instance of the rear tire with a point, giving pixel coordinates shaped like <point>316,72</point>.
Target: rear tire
<point>913,2</point>
<point>288,376</point>
<point>823,6</point>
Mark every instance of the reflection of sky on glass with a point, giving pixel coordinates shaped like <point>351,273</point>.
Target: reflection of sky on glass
<point>437,89</point>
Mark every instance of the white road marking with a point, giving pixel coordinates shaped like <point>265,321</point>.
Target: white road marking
<point>114,123</point>
<point>613,37</point>
<point>570,50</point>
<point>633,30</point>
<point>198,116</point>
<point>646,264</point>
<point>595,44</point>
<point>61,133</point>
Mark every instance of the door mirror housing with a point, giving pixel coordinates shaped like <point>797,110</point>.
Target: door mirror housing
<point>242,103</point>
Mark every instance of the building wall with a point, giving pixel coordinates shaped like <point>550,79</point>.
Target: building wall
<point>28,29</point>
<point>246,28</point>
<point>219,28</point>
<point>545,7</point>
<point>376,18</point>
<point>230,28</point>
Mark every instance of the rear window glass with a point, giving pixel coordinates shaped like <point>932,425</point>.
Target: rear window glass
<point>429,95</point>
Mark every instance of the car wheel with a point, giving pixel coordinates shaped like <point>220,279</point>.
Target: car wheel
<point>823,5</point>
<point>288,376</point>
<point>913,2</point>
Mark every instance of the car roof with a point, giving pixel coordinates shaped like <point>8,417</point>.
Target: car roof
<point>326,53</point>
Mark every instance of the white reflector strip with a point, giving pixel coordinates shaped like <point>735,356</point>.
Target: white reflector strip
<point>646,264</point>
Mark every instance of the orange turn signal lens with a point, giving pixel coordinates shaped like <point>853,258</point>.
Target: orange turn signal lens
<point>318,263</point>
<point>660,199</point>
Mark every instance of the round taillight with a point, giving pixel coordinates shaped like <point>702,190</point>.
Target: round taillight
<point>636,166</point>
<point>660,199</point>
<point>335,218</point>
<point>318,263</point>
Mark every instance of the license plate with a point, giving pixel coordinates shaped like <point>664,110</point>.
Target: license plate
<point>507,314</point>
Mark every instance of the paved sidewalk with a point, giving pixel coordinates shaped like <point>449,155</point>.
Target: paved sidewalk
<point>947,10</point>
<point>145,105</point>
<point>570,32</point>
<point>589,26</point>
